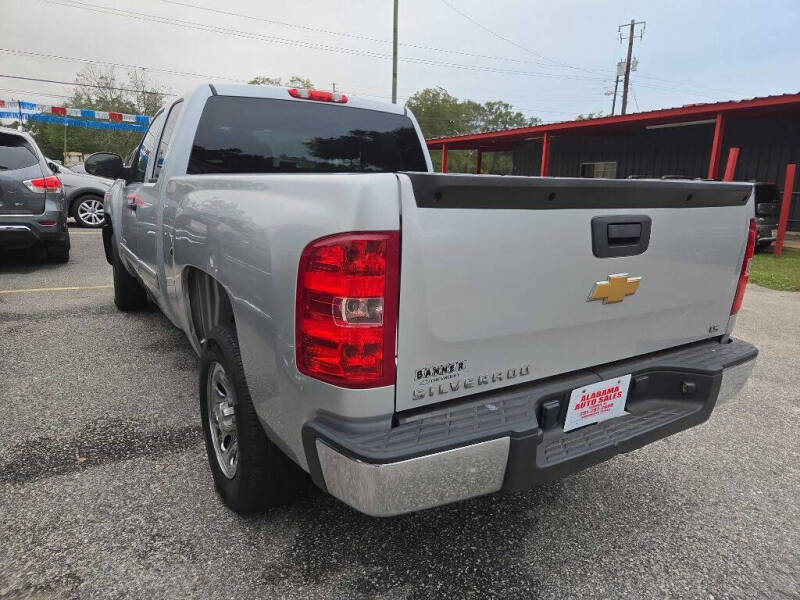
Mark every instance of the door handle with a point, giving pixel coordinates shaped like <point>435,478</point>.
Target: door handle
<point>620,235</point>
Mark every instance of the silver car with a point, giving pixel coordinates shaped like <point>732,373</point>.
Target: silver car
<point>84,194</point>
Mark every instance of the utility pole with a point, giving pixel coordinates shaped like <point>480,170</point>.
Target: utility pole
<point>19,112</point>
<point>614,101</point>
<point>394,56</point>
<point>631,34</point>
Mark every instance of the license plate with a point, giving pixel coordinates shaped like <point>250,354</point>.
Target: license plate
<point>597,402</point>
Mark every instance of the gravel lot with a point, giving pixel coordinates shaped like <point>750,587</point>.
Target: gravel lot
<point>105,492</point>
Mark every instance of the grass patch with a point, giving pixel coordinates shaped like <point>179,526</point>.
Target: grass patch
<point>777,273</point>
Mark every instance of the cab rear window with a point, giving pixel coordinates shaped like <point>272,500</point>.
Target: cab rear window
<point>15,153</point>
<point>261,135</point>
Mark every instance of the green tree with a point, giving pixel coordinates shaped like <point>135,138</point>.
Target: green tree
<point>440,114</point>
<point>101,89</point>
<point>293,81</point>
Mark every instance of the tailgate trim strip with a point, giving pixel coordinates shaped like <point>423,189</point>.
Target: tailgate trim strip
<point>434,190</point>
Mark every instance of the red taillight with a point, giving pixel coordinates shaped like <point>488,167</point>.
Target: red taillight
<point>318,95</point>
<point>50,183</point>
<point>744,274</point>
<point>346,314</point>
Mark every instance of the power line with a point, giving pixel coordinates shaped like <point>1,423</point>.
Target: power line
<point>203,76</point>
<point>34,93</point>
<point>554,62</point>
<point>350,35</point>
<point>516,108</point>
<point>326,47</point>
<point>687,84</point>
<point>312,45</point>
<point>91,85</point>
<point>116,64</point>
<point>515,44</point>
<point>635,99</point>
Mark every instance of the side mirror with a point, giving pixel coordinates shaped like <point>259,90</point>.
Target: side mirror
<point>104,164</point>
<point>53,167</point>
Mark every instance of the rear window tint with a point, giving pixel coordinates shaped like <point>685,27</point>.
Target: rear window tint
<point>261,135</point>
<point>15,153</point>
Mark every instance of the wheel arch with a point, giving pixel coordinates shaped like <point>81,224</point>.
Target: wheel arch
<point>208,303</point>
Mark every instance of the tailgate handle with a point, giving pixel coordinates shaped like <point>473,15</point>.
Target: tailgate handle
<point>620,235</point>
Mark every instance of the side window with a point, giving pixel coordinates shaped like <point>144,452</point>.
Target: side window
<point>166,138</point>
<point>147,147</point>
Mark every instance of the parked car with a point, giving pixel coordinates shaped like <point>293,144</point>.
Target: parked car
<point>33,211</point>
<point>84,194</point>
<point>409,338</point>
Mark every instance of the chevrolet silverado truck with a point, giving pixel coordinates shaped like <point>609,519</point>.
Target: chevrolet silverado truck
<point>407,338</point>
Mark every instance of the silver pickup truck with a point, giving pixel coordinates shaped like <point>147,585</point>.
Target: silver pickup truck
<point>408,338</point>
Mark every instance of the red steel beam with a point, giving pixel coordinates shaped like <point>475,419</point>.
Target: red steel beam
<point>716,147</point>
<point>545,155</point>
<point>788,188</point>
<point>730,166</point>
<point>478,161</point>
<point>444,158</point>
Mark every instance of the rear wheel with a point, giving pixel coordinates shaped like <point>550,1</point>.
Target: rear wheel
<point>128,292</point>
<point>250,472</point>
<point>88,211</point>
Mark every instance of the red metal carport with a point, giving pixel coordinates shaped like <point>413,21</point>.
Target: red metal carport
<point>717,113</point>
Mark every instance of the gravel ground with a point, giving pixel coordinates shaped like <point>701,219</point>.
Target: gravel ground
<point>104,489</point>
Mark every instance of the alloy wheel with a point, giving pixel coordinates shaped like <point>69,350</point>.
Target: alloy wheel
<point>91,212</point>
<point>221,399</point>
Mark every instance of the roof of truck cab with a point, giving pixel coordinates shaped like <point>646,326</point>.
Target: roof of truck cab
<point>282,93</point>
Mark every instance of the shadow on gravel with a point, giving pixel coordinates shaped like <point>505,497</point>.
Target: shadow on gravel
<point>96,444</point>
<point>471,549</point>
<point>22,262</point>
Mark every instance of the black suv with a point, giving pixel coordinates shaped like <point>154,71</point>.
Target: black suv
<point>33,212</point>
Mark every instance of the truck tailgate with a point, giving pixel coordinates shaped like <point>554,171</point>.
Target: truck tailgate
<point>497,272</point>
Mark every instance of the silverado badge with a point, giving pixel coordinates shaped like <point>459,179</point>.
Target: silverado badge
<point>615,289</point>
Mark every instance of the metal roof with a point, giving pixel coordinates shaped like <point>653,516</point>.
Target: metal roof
<point>692,112</point>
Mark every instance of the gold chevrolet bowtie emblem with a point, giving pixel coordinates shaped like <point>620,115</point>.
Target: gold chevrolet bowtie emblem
<point>615,289</point>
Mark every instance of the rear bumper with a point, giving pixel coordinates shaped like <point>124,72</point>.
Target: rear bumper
<point>25,231</point>
<point>507,441</point>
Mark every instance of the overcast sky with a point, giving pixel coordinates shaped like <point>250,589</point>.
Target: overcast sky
<point>559,62</point>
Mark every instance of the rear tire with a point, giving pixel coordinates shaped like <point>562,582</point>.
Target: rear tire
<point>250,472</point>
<point>59,252</point>
<point>128,292</point>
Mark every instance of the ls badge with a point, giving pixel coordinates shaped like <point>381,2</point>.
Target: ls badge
<point>615,289</point>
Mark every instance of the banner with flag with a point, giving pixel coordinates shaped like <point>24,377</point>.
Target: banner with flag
<point>46,113</point>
